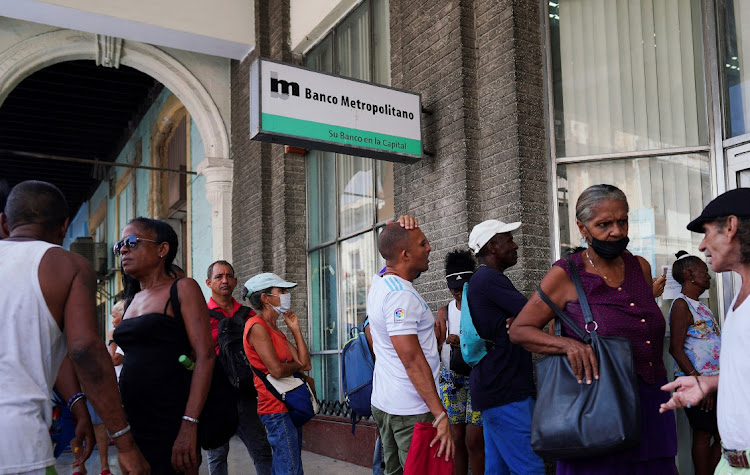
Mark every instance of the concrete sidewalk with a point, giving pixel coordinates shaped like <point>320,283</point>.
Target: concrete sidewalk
<point>239,463</point>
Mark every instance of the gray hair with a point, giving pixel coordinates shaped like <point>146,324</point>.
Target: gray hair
<point>119,307</point>
<point>592,196</point>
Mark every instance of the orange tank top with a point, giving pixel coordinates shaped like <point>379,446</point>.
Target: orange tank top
<point>267,403</point>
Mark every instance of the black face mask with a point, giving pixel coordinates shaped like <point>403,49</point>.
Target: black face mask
<point>609,249</point>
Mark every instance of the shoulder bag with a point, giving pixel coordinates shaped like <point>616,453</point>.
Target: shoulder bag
<point>219,418</point>
<point>294,392</point>
<point>457,363</point>
<point>573,420</point>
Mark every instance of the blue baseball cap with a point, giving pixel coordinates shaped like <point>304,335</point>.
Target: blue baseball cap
<point>265,281</point>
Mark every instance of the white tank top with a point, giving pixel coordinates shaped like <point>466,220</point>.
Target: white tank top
<point>453,328</point>
<point>31,350</point>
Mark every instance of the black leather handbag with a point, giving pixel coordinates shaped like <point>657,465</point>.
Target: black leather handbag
<point>572,420</point>
<point>219,418</point>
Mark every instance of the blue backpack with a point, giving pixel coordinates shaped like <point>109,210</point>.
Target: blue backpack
<point>357,367</point>
<point>473,347</point>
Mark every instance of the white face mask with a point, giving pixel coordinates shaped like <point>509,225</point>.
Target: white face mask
<point>285,303</point>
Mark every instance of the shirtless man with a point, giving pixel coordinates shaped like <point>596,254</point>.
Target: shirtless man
<point>46,291</point>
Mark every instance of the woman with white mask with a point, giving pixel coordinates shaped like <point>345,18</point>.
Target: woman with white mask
<point>269,352</point>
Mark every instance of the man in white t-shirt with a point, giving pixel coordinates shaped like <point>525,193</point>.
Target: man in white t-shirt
<point>406,364</point>
<point>726,224</point>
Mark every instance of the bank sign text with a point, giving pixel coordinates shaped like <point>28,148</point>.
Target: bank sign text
<point>301,107</point>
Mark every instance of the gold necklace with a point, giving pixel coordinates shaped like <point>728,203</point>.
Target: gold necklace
<point>604,276</point>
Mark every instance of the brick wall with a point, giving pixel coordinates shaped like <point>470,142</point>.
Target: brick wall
<point>268,195</point>
<point>478,66</point>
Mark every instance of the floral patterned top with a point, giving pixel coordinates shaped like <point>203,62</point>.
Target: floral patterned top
<point>703,340</point>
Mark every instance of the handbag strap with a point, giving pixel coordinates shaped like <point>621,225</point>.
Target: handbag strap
<point>270,387</point>
<point>562,317</point>
<point>582,300</point>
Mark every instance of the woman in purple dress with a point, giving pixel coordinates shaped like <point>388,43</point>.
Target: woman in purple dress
<point>618,286</point>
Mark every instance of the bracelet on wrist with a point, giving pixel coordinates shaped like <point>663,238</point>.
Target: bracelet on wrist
<point>190,419</point>
<point>119,432</point>
<point>74,399</point>
<point>110,342</point>
<point>439,418</point>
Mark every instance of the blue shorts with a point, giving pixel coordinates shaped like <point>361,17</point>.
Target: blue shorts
<point>507,440</point>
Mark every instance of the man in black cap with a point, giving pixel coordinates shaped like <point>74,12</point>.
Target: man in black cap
<point>725,223</point>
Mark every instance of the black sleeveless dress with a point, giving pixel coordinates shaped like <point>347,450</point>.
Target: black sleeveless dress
<point>154,385</point>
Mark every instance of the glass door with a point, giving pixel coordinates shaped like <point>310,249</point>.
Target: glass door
<point>738,176</point>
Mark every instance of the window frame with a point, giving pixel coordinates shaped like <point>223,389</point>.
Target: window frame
<point>375,225</point>
<point>715,110</point>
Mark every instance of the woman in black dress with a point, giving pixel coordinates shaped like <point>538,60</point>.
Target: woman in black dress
<point>165,318</point>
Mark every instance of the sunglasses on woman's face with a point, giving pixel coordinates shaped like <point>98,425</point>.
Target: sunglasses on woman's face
<point>131,242</point>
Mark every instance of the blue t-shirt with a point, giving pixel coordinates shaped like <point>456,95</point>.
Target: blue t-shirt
<point>505,374</point>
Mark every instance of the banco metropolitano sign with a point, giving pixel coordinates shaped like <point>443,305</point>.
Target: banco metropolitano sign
<point>297,106</point>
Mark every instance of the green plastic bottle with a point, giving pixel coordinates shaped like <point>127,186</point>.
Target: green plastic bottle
<point>187,362</point>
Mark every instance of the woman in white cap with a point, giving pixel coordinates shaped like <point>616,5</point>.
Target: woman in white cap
<point>269,351</point>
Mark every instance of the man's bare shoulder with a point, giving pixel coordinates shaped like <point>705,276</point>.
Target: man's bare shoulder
<point>65,263</point>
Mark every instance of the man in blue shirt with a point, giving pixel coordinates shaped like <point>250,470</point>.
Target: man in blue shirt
<point>502,384</point>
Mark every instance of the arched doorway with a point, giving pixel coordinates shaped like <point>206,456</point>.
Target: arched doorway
<point>27,56</point>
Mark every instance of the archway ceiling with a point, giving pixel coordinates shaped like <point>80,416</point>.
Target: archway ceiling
<point>72,109</point>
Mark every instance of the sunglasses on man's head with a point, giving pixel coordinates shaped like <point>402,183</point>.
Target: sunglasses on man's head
<point>131,242</point>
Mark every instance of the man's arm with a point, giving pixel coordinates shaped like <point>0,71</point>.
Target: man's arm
<point>68,385</point>
<point>500,293</point>
<point>72,301</point>
<point>420,374</point>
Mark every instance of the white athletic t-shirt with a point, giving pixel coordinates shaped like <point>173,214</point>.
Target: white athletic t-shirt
<point>395,308</point>
<point>733,401</point>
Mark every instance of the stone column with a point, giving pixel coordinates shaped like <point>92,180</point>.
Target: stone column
<point>218,174</point>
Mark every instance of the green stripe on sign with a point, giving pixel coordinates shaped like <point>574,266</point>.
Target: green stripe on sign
<point>342,135</point>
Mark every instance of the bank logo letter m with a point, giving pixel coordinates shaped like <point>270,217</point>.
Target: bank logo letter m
<point>287,87</point>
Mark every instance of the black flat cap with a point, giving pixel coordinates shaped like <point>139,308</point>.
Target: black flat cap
<point>734,202</point>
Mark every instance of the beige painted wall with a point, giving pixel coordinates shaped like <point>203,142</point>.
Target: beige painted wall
<point>310,19</point>
<point>230,20</point>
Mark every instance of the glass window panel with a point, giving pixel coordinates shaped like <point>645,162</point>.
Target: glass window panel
<point>323,299</point>
<point>321,197</point>
<point>320,58</point>
<point>380,262</point>
<point>735,65</point>
<point>356,196</point>
<point>325,369</point>
<point>357,268</point>
<point>353,44</point>
<point>381,39</point>
<point>627,75</point>
<point>385,204</point>
<point>743,179</point>
<point>664,193</point>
